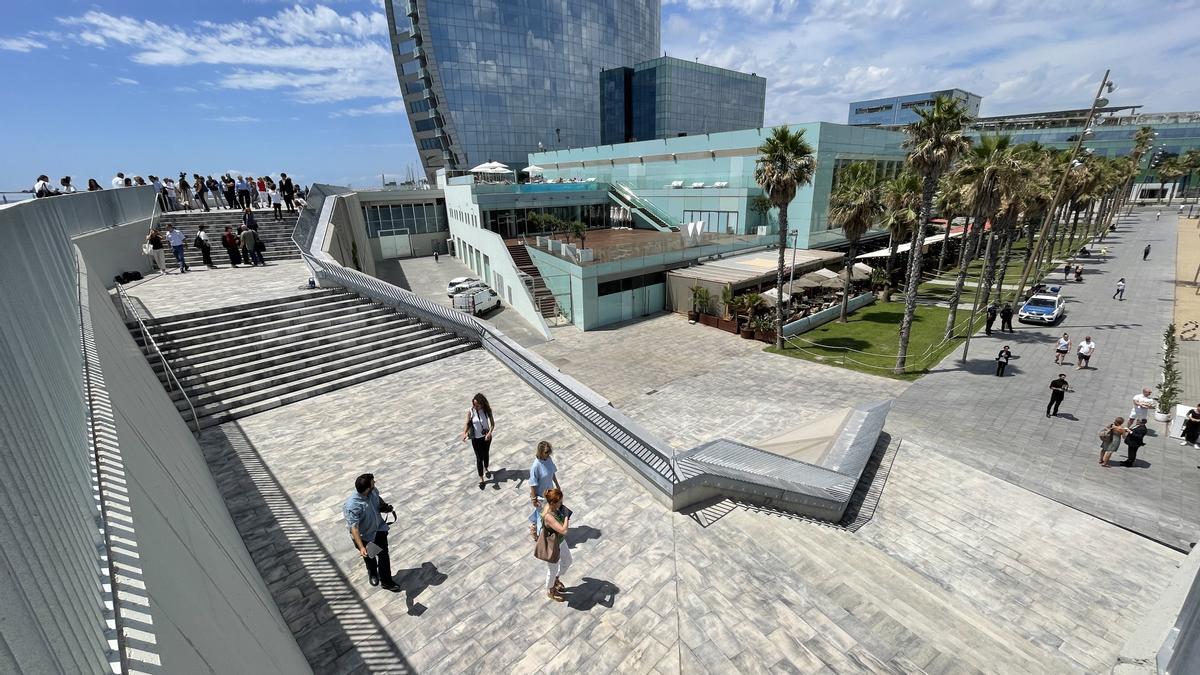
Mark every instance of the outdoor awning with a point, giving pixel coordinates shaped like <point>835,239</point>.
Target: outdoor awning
<point>861,271</point>
<point>821,278</point>
<point>903,248</point>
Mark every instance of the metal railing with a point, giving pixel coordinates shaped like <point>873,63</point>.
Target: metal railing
<point>626,191</point>
<point>131,312</point>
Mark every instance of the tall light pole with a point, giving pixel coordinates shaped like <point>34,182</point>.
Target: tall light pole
<point>1098,102</point>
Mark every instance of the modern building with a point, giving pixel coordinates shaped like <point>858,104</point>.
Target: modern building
<point>494,81</point>
<point>667,97</point>
<point>1113,129</point>
<point>897,111</point>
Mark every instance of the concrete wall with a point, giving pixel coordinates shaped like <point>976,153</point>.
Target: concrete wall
<point>207,607</point>
<point>111,251</point>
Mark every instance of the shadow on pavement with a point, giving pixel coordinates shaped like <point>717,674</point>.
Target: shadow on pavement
<point>591,592</point>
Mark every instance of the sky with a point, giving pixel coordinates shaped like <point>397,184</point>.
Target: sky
<point>309,88</point>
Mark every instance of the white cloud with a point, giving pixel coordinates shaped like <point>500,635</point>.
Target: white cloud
<point>20,44</point>
<point>237,119</point>
<point>316,54</point>
<point>125,80</point>
<point>393,107</point>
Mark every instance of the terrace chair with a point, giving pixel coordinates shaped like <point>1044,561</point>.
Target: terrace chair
<point>697,185</point>
<point>721,184</point>
<point>676,184</point>
<point>590,180</point>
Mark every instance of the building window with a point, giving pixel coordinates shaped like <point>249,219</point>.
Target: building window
<point>872,109</point>
<point>386,219</point>
<point>720,222</point>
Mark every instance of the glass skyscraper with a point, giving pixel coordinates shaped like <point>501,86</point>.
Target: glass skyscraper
<point>667,97</point>
<point>493,81</point>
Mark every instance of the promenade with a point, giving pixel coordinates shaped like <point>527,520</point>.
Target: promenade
<point>998,425</point>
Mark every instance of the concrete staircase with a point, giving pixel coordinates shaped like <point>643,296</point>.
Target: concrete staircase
<point>277,235</point>
<point>541,294</point>
<point>238,361</point>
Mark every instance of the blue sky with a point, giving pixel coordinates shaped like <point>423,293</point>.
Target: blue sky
<point>309,88</point>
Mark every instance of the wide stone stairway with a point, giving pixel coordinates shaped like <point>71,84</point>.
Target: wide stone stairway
<point>541,293</point>
<point>241,360</point>
<point>276,234</point>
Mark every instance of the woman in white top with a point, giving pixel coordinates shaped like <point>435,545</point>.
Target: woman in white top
<point>42,187</point>
<point>479,427</point>
<point>1062,348</point>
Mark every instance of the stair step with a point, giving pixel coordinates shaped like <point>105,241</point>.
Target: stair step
<point>327,384</point>
<point>215,399</point>
<point>200,346</point>
<point>220,324</point>
<point>234,374</point>
<point>178,319</point>
<point>268,351</point>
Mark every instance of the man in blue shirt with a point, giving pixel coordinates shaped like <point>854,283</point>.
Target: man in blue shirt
<point>543,475</point>
<point>243,192</point>
<point>363,512</point>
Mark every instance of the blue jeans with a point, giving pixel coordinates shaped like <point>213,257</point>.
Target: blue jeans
<point>178,251</point>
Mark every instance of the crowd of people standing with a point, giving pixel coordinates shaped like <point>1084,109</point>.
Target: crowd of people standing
<point>243,246</point>
<point>228,191</point>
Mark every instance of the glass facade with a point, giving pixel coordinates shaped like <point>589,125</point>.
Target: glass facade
<point>667,97</point>
<point>507,78</point>
<point>721,222</point>
<point>901,110</point>
<point>409,218</point>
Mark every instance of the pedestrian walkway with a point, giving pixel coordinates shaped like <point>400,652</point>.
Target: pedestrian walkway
<point>999,424</point>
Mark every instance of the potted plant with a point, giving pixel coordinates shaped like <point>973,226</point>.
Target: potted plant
<point>729,304</point>
<point>700,300</point>
<point>750,305</point>
<point>1168,389</point>
<point>764,329</point>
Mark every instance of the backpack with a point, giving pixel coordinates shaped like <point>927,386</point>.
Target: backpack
<point>197,242</point>
<point>1106,434</point>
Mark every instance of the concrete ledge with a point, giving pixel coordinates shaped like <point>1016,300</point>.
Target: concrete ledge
<point>1165,639</point>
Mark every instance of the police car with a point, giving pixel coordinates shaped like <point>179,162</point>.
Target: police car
<point>1043,306</point>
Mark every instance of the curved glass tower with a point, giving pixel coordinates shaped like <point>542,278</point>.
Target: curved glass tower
<point>488,80</point>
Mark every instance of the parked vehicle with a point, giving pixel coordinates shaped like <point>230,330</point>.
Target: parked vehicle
<point>1045,307</point>
<point>460,284</point>
<point>476,301</point>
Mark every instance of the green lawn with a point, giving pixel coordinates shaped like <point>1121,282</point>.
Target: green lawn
<point>875,330</point>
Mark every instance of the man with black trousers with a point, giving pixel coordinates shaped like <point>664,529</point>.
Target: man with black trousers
<point>992,311</point>
<point>1135,439</point>
<point>364,511</point>
<point>1006,318</point>
<point>287,190</point>
<point>1058,391</point>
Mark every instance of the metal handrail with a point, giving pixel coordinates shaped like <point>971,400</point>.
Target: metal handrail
<point>627,191</point>
<point>131,312</point>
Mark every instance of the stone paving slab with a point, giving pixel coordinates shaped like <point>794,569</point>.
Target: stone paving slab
<point>224,286</point>
<point>999,424</point>
<point>958,571</point>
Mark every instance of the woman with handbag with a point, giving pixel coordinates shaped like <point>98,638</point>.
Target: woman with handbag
<point>154,248</point>
<point>1191,427</point>
<point>479,427</point>
<point>553,524</point>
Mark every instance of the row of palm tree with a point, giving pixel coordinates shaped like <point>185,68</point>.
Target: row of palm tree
<point>1002,190</point>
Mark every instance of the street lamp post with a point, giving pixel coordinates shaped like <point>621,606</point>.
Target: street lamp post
<point>1098,102</point>
<point>794,235</point>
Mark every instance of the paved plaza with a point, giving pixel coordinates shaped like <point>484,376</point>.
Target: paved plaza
<point>999,425</point>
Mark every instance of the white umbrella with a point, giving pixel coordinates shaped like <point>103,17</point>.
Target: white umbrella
<point>486,167</point>
<point>532,168</point>
<point>861,272</point>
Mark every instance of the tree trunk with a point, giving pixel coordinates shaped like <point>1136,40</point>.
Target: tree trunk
<point>945,244</point>
<point>850,253</point>
<point>981,224</point>
<point>893,244</point>
<point>914,272</point>
<point>1009,235</point>
<point>989,267</point>
<point>1071,235</point>
<point>1171,197</point>
<point>783,235</point>
<point>975,233</point>
<point>1162,187</point>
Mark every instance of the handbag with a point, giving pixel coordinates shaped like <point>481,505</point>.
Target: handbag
<point>147,249</point>
<point>260,246</point>
<point>547,545</point>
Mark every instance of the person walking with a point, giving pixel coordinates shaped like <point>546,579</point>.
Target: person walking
<point>992,313</point>
<point>364,513</point>
<point>1120,294</point>
<point>543,475</point>
<point>1156,217</point>
<point>251,247</point>
<point>203,244</point>
<point>1006,314</point>
<point>1135,438</point>
<point>1191,428</point>
<point>1066,271</point>
<point>276,200</point>
<point>479,427</point>
<point>249,220</point>
<point>555,522</point>
<point>1078,273</point>
<point>1058,391</point>
<point>435,255</point>
<point>1061,348</point>
<point>1143,403</point>
<point>157,251</point>
<point>176,239</point>
<point>1084,352</point>
<point>287,189</point>
<point>1146,251</point>
<point>1110,440</point>
<point>231,242</point>
<point>185,193</point>
<point>1002,360</point>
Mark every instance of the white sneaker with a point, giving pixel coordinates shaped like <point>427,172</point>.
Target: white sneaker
<point>1183,442</point>
<point>1196,446</point>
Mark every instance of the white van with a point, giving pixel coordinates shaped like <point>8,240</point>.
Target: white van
<point>476,301</point>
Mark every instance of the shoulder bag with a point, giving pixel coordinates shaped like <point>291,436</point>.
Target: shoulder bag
<point>547,545</point>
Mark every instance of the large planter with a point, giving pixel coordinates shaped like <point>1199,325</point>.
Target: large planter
<point>708,320</point>
<point>748,333</point>
<point>728,325</point>
<point>1161,416</point>
<point>767,336</point>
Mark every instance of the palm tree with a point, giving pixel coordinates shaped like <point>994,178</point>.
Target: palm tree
<point>948,203</point>
<point>1191,160</point>
<point>854,206</point>
<point>785,163</point>
<point>902,201</point>
<point>1170,171</point>
<point>933,143</point>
